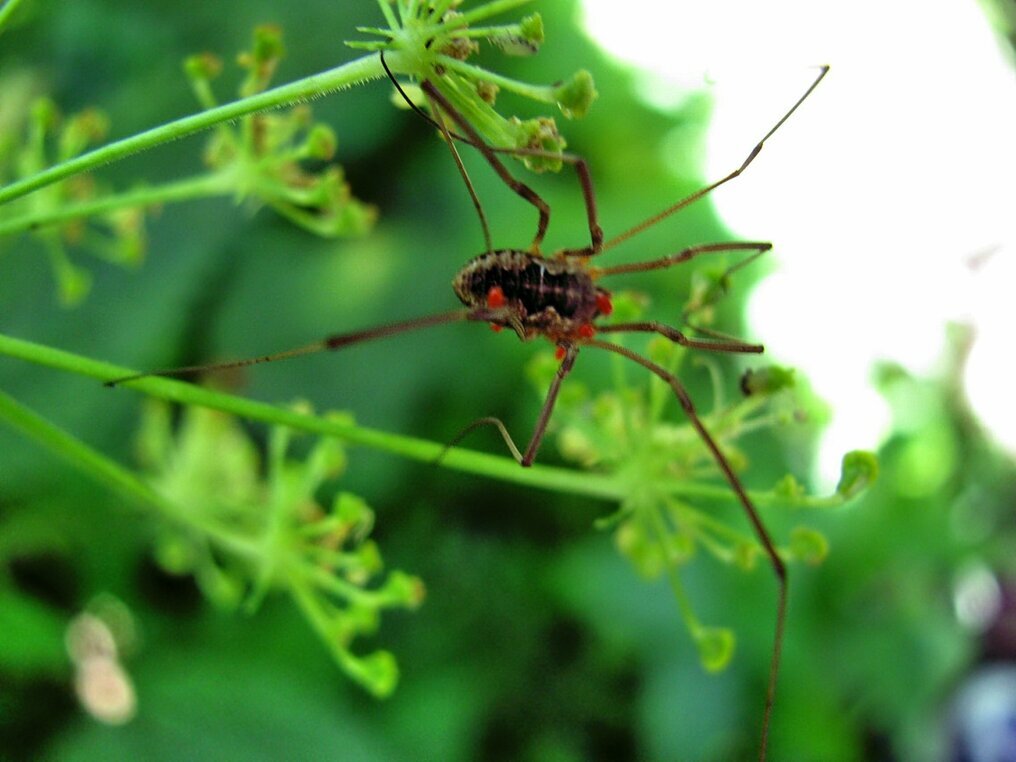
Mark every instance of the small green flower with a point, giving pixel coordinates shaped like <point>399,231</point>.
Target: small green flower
<point>859,471</point>
<point>716,647</point>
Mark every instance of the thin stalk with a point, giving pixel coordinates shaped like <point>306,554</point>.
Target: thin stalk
<point>539,93</point>
<point>201,186</point>
<point>107,471</point>
<point>78,453</point>
<point>346,75</point>
<point>491,9</point>
<point>550,478</point>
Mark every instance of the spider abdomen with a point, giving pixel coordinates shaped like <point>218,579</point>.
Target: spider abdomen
<point>543,296</point>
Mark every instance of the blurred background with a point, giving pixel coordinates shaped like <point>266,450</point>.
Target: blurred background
<point>889,200</point>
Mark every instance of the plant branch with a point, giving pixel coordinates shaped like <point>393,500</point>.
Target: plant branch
<point>346,75</point>
<point>200,186</point>
<point>556,479</point>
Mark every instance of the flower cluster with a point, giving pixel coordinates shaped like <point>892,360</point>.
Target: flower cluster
<point>242,529</point>
<point>280,158</point>
<point>432,40</point>
<point>46,136</point>
<point>672,507</point>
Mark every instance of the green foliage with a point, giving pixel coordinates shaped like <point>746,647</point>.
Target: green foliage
<point>33,635</point>
<point>638,433</point>
<point>535,630</point>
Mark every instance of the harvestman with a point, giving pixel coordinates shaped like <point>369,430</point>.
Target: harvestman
<point>557,297</point>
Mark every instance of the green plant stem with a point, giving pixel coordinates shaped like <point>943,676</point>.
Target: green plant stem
<point>416,449</point>
<point>551,478</point>
<point>359,70</point>
<point>539,93</point>
<point>487,10</point>
<point>108,471</point>
<point>663,534</point>
<point>75,451</point>
<point>6,10</point>
<point>201,186</point>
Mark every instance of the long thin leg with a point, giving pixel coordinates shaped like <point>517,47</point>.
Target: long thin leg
<point>716,344</point>
<point>580,164</point>
<point>525,459</point>
<point>571,352</point>
<point>779,569</point>
<point>462,171</point>
<point>723,342</point>
<point>498,166</point>
<point>334,342</point>
<point>759,247</point>
<point>713,186</point>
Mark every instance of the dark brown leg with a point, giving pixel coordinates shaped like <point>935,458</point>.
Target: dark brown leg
<point>439,121</point>
<point>488,151</point>
<point>474,139</point>
<point>779,569</point>
<point>759,247</point>
<point>525,459</point>
<point>337,341</point>
<point>717,344</point>
<point>713,186</point>
<point>567,362</point>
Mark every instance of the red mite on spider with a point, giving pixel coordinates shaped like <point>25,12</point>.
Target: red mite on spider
<point>557,297</point>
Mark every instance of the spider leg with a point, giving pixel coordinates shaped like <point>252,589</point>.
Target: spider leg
<point>329,343</point>
<point>715,344</point>
<point>687,200</point>
<point>526,459</point>
<point>761,533</point>
<point>686,255</point>
<point>489,153</point>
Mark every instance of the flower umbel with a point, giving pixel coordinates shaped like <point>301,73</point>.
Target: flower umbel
<point>116,235</point>
<point>242,530</point>
<point>638,433</point>
<point>432,40</point>
<point>280,158</point>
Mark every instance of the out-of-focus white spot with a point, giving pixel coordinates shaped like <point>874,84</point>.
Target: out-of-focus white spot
<point>105,691</point>
<point>102,685</point>
<point>977,598</point>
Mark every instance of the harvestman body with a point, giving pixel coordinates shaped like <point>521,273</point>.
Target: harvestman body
<point>557,297</point>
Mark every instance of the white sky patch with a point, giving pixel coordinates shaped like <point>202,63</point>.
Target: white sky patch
<point>878,193</point>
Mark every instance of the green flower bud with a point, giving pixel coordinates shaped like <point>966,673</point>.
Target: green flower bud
<point>859,471</point>
<point>766,381</point>
<point>576,95</point>
<point>808,545</point>
<point>715,647</point>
